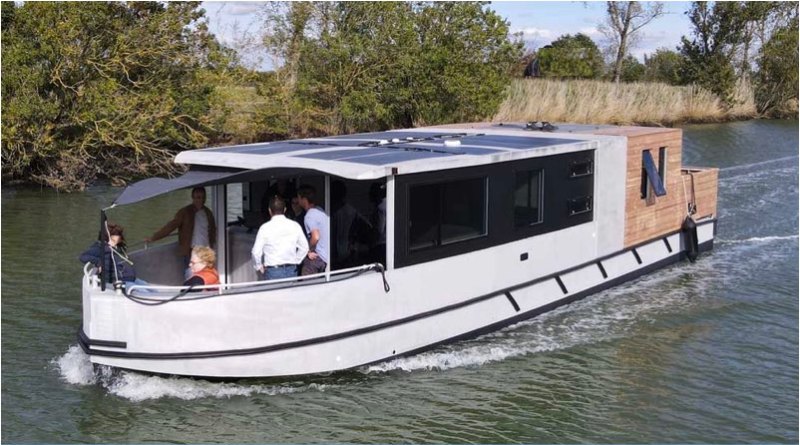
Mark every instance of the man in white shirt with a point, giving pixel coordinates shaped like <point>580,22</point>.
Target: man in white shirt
<point>280,244</point>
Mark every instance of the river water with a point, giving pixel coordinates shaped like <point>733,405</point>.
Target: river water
<point>704,352</point>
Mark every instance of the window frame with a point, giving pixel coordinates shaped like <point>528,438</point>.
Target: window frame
<point>529,171</point>
<point>557,188</point>
<point>440,243</point>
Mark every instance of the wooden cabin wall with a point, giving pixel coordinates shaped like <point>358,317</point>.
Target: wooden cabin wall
<point>646,219</point>
<point>705,189</point>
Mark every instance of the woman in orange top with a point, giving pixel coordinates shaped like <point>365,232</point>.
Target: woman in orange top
<point>202,267</point>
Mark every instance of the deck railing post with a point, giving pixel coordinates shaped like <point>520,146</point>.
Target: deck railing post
<point>219,203</point>
<point>328,219</point>
<point>390,212</point>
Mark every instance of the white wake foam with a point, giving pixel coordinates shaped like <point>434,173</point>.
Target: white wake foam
<point>138,387</point>
<point>75,368</point>
<point>757,239</point>
<point>735,170</point>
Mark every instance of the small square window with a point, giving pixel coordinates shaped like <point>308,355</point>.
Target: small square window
<point>579,205</point>
<point>581,168</point>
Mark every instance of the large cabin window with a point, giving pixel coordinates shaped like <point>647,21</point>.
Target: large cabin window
<point>358,222</point>
<point>446,213</point>
<point>441,214</point>
<point>528,198</point>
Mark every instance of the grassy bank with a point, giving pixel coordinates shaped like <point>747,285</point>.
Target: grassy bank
<point>598,102</point>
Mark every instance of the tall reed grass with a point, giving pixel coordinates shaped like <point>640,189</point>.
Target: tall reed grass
<point>599,102</point>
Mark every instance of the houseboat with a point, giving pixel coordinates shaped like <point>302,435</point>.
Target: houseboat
<point>437,234</point>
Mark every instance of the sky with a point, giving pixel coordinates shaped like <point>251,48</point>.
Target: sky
<point>539,22</point>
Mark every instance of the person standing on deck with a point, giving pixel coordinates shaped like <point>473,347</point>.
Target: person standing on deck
<point>316,224</point>
<point>280,242</point>
<point>195,224</point>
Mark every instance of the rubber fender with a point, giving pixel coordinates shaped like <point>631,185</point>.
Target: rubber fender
<point>689,230</point>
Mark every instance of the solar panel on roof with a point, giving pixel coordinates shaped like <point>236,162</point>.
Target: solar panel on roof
<point>439,147</point>
<point>277,147</point>
<point>514,142</point>
<point>333,155</point>
<point>395,156</point>
<point>387,135</point>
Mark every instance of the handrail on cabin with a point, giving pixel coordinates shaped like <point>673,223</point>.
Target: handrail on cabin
<point>219,288</point>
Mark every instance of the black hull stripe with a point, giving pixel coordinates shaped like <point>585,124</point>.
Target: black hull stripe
<point>669,246</point>
<point>104,343</point>
<point>85,341</point>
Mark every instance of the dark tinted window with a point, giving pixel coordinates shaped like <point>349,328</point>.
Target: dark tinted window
<point>423,222</point>
<point>446,213</point>
<point>528,198</point>
<point>463,210</point>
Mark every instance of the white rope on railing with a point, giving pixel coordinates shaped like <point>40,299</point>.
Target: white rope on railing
<point>86,271</point>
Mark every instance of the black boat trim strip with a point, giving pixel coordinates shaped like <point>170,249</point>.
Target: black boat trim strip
<point>512,301</point>
<point>102,343</point>
<point>669,246</point>
<point>355,332</point>
<point>602,269</point>
<point>561,285</point>
<point>636,255</point>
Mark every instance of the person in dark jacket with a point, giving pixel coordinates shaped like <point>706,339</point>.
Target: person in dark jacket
<point>195,225</point>
<point>111,256</point>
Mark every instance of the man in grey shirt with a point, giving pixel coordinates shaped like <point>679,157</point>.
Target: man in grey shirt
<point>316,225</point>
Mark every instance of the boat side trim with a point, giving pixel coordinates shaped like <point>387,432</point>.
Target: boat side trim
<point>561,285</point>
<point>512,301</point>
<point>636,255</point>
<point>550,306</point>
<point>85,345</point>
<point>603,269</point>
<point>669,246</point>
<point>84,339</point>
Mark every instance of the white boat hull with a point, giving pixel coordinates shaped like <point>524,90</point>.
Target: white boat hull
<point>353,322</point>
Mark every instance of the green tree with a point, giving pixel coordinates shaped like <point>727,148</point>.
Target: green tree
<point>717,30</point>
<point>663,66</point>
<point>777,78</point>
<point>631,70</point>
<point>350,66</point>
<point>103,89</point>
<point>465,62</point>
<point>759,21</point>
<point>622,24</point>
<point>571,57</point>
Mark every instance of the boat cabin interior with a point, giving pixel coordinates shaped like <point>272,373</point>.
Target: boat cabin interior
<point>356,212</point>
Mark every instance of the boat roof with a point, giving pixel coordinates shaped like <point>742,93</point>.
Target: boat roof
<point>375,155</point>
